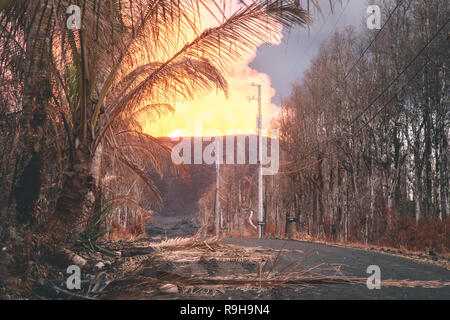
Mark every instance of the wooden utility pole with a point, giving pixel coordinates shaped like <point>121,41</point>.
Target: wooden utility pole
<point>217,207</point>
<point>260,182</point>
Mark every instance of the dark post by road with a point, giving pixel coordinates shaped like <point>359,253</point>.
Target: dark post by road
<point>291,227</point>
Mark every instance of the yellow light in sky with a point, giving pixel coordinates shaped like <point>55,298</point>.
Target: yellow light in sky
<point>176,133</point>
<point>235,115</point>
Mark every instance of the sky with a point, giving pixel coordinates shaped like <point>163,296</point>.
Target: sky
<point>276,67</point>
<point>285,63</point>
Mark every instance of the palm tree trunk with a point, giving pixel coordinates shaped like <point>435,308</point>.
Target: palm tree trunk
<point>65,221</point>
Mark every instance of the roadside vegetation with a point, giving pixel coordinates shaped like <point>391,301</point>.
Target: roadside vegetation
<point>363,139</point>
<point>74,98</point>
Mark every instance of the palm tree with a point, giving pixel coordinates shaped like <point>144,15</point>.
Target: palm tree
<point>83,91</point>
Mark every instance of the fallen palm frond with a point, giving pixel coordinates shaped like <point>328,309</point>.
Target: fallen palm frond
<point>193,249</point>
<point>179,242</point>
<point>150,279</point>
<point>283,280</point>
<point>150,287</point>
<point>224,254</point>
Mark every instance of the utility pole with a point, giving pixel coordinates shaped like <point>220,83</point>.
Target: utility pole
<point>216,210</point>
<point>260,182</point>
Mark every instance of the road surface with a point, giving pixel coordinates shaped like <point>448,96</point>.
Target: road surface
<point>352,262</point>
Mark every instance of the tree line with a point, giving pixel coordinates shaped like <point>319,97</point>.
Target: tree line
<point>364,137</point>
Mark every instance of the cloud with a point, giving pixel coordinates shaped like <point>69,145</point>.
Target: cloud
<point>230,116</point>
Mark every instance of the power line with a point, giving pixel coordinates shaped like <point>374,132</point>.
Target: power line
<point>373,102</point>
<point>373,40</point>
<point>359,130</point>
<point>392,82</point>
<point>370,44</point>
<point>402,72</point>
<point>340,16</point>
<point>323,25</point>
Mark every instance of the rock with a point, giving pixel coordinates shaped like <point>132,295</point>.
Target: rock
<point>76,259</point>
<point>100,265</point>
<point>64,258</point>
<point>169,288</point>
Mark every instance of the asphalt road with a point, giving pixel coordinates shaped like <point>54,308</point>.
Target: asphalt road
<point>352,262</point>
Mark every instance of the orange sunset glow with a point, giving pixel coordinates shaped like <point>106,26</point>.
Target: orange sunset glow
<point>232,115</point>
<point>223,155</point>
<point>217,113</point>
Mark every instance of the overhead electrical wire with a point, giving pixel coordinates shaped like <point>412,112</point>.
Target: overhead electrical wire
<point>373,40</point>
<point>419,53</point>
